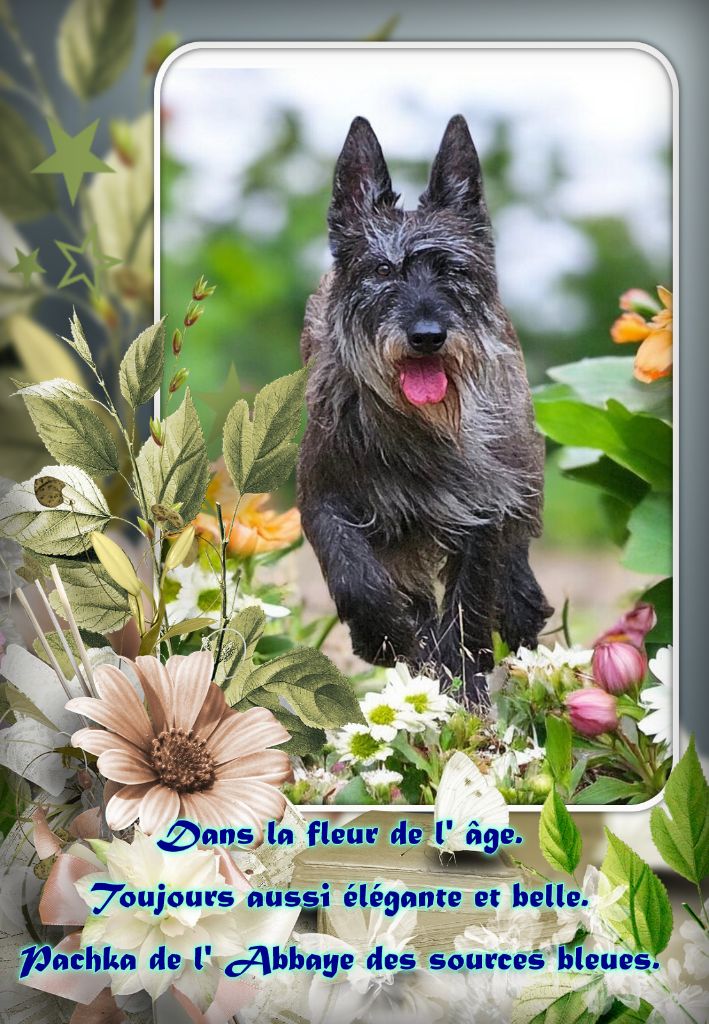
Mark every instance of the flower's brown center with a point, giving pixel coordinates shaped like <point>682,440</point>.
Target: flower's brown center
<point>182,761</point>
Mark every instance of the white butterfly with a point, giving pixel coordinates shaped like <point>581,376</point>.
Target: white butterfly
<point>465,796</point>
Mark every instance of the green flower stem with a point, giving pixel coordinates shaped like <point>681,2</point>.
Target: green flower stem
<point>327,628</point>
<point>223,612</point>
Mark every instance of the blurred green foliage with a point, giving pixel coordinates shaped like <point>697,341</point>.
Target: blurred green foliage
<point>264,278</point>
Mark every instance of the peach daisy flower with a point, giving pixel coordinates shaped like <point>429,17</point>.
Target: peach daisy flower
<point>187,754</point>
<point>654,357</point>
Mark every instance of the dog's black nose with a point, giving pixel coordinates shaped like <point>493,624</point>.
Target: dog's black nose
<point>426,336</point>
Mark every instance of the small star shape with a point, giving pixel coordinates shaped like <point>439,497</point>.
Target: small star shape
<point>220,402</point>
<point>27,265</point>
<point>72,157</point>
<point>101,262</point>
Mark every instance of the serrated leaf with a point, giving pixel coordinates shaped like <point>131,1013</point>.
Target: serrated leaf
<point>179,470</point>
<point>95,44</point>
<point>98,604</point>
<point>564,999</point>
<point>70,431</point>
<point>78,340</point>
<point>56,388</point>
<point>559,837</point>
<point>642,917</point>
<point>558,747</point>
<point>23,195</point>
<point>61,530</point>
<point>310,685</point>
<point>142,366</point>
<point>304,739</point>
<point>261,453</point>
<point>242,635</point>
<point>682,836</point>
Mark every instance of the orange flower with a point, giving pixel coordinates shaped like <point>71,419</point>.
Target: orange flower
<point>654,357</point>
<point>256,529</point>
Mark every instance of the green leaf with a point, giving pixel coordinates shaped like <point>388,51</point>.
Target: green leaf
<point>606,790</point>
<point>619,1013</point>
<point>385,30</point>
<point>642,916</point>
<point>186,626</point>
<point>260,453</point>
<point>62,530</point>
<point>660,597</point>
<point>682,837</point>
<point>142,366</point>
<point>304,739</point>
<point>242,635</point>
<point>592,467</point>
<point>403,747</point>
<point>95,44</point>
<point>558,747</point>
<point>611,377</point>
<point>559,837</point>
<point>71,432</point>
<point>179,470</point>
<point>23,195</point>
<point>355,792</point>
<point>99,605</point>
<point>22,706</point>
<point>642,444</point>
<point>309,683</point>
<point>78,340</point>
<point>649,547</point>
<point>564,999</point>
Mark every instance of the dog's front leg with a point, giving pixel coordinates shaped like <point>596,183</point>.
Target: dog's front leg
<point>464,639</point>
<point>379,616</point>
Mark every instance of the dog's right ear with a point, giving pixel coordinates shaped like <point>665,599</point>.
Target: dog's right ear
<point>361,185</point>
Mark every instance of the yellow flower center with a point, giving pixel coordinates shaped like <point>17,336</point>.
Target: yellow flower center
<point>418,701</point>
<point>182,762</point>
<point>363,746</point>
<point>382,715</point>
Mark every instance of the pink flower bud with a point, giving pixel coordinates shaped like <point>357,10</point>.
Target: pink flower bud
<point>592,711</point>
<point>618,665</point>
<point>633,626</point>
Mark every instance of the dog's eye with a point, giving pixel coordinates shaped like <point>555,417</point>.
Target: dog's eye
<point>384,269</point>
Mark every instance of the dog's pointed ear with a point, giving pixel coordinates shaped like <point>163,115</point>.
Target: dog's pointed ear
<point>362,183</point>
<point>456,178</point>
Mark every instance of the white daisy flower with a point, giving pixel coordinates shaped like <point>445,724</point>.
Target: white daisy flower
<point>657,700</point>
<point>385,716</point>
<point>380,778</point>
<point>354,742</point>
<point>549,660</point>
<point>420,698</point>
<point>200,596</point>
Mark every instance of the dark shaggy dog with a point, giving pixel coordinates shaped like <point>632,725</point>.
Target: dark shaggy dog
<point>420,477</point>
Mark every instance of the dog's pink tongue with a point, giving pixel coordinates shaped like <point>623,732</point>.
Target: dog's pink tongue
<point>424,380</point>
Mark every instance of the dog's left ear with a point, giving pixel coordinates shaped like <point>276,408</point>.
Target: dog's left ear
<point>456,179</point>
